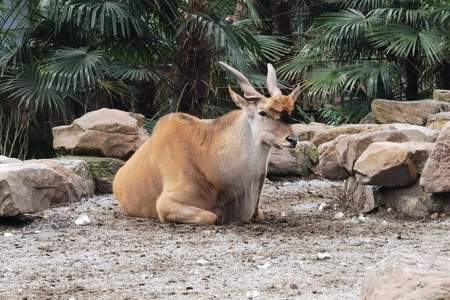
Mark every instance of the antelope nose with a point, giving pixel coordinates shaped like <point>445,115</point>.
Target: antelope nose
<point>292,140</point>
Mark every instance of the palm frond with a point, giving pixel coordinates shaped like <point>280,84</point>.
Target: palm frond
<point>74,68</point>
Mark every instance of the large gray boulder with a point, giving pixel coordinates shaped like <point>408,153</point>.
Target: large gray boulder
<point>293,162</point>
<point>104,132</point>
<point>436,173</point>
<point>408,276</point>
<point>34,185</point>
<point>78,180</point>
<point>29,188</point>
<point>410,112</point>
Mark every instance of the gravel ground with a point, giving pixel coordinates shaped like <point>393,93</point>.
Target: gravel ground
<point>116,257</point>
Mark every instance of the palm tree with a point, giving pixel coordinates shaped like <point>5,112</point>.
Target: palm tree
<point>152,57</point>
<point>372,49</point>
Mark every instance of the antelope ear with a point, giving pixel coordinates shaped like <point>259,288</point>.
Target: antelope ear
<point>238,99</point>
<point>295,93</point>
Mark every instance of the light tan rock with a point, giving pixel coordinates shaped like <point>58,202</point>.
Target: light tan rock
<point>28,188</point>
<point>436,173</point>
<point>392,164</point>
<point>293,162</point>
<point>408,276</point>
<point>410,112</point>
<point>441,95</point>
<point>328,166</point>
<point>361,198</point>
<point>104,132</point>
<point>306,132</point>
<point>383,165</point>
<point>332,133</point>
<point>438,121</point>
<point>351,147</point>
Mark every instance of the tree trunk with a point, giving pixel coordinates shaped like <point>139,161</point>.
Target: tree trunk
<point>281,17</point>
<point>412,78</point>
<point>444,77</point>
<point>194,69</point>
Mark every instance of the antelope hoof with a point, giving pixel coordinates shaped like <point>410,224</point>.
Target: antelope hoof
<point>259,216</point>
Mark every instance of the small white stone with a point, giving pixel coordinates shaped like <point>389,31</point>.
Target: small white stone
<point>362,219</point>
<point>82,220</point>
<point>202,262</point>
<point>323,255</point>
<point>264,266</point>
<point>252,294</point>
<point>8,234</point>
<point>384,222</point>
<point>322,206</point>
<point>339,215</point>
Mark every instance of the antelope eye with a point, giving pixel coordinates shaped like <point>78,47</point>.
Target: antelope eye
<point>262,113</point>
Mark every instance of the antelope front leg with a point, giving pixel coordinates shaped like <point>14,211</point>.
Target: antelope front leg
<point>169,211</point>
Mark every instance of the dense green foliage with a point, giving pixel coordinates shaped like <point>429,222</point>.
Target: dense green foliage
<point>61,58</point>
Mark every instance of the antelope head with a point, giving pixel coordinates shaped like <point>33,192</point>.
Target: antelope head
<point>269,117</point>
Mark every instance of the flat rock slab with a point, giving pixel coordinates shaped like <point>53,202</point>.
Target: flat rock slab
<point>330,134</point>
<point>410,276</point>
<point>410,112</point>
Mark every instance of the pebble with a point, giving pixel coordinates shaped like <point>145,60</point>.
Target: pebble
<point>252,294</point>
<point>202,262</point>
<point>8,234</point>
<point>322,206</point>
<point>339,215</point>
<point>323,256</point>
<point>264,266</point>
<point>82,220</point>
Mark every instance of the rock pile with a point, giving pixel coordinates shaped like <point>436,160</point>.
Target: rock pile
<point>398,165</point>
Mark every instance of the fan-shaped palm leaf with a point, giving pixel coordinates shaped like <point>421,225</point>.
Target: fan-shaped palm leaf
<point>73,68</point>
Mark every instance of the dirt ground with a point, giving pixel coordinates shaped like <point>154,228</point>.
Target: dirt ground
<point>116,257</point>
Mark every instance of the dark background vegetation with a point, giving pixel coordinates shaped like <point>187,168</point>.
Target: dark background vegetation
<point>62,58</point>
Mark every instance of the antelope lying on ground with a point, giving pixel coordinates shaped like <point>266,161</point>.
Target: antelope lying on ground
<point>208,171</point>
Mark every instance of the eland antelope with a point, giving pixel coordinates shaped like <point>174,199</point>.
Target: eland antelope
<point>209,171</point>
